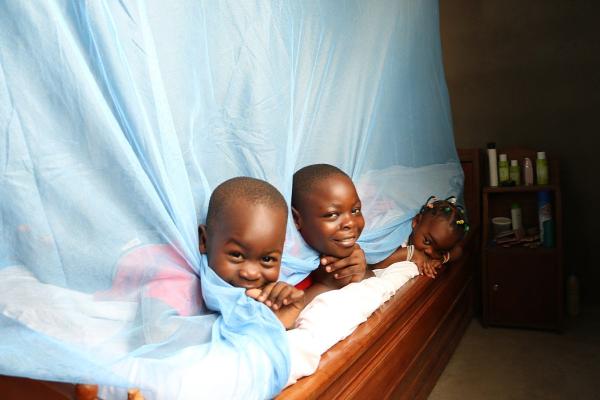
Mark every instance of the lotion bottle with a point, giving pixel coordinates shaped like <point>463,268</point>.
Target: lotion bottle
<point>493,164</point>
<point>516,217</point>
<point>541,167</point>
<point>545,217</point>
<point>515,172</point>
<point>503,175</point>
<point>527,172</point>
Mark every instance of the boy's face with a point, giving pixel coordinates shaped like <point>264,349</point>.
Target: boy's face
<point>245,246</point>
<point>433,235</point>
<point>330,218</point>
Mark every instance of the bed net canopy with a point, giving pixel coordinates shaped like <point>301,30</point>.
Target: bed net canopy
<point>119,118</point>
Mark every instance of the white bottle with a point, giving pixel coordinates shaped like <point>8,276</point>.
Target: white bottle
<point>516,217</point>
<point>493,164</point>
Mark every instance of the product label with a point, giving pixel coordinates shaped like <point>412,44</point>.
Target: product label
<point>545,214</point>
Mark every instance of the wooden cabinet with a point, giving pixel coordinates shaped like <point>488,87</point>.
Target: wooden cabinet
<point>522,287</point>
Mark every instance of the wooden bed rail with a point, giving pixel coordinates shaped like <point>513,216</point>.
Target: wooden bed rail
<point>401,350</point>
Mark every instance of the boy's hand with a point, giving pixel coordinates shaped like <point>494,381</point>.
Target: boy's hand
<point>346,270</point>
<point>282,298</point>
<point>276,295</point>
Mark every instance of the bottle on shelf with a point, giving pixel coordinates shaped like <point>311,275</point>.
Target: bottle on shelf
<point>527,172</point>
<point>503,175</point>
<point>515,172</point>
<point>546,220</point>
<point>493,164</point>
<point>541,167</point>
<point>516,217</point>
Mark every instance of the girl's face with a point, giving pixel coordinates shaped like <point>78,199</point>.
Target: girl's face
<point>433,235</point>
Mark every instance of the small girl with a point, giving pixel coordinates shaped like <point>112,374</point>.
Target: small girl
<point>437,232</point>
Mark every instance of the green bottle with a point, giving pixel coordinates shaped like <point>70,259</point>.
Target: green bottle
<point>503,175</point>
<point>515,172</point>
<point>541,168</point>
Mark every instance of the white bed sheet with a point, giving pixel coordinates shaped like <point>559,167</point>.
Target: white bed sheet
<point>329,318</point>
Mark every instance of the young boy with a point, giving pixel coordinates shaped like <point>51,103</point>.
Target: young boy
<point>243,239</point>
<point>327,213</point>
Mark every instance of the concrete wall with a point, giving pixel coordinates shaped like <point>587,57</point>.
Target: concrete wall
<point>527,73</point>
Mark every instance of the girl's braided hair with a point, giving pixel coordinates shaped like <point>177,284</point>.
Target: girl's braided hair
<point>452,212</point>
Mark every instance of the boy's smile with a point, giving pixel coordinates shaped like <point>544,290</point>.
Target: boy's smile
<point>245,247</point>
<point>329,218</point>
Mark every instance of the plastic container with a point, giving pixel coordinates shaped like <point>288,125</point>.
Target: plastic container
<point>527,172</point>
<point>516,217</point>
<point>514,172</point>
<point>545,217</point>
<point>493,164</point>
<point>501,224</point>
<point>503,175</point>
<point>541,168</point>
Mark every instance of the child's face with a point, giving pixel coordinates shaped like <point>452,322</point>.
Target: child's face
<point>433,235</point>
<point>245,246</point>
<point>329,218</point>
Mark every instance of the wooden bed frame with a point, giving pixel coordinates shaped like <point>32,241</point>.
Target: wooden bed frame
<point>402,349</point>
<point>399,352</point>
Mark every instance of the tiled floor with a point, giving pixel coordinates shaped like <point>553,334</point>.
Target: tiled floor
<point>495,363</point>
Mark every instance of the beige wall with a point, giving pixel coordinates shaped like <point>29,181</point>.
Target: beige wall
<point>527,73</point>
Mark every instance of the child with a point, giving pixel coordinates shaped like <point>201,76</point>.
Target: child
<point>327,213</point>
<point>243,239</point>
<point>437,231</point>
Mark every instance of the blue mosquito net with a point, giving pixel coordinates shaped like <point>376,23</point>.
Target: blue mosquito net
<point>118,118</point>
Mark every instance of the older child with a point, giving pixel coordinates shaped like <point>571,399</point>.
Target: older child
<point>327,213</point>
<point>243,239</point>
<point>438,229</point>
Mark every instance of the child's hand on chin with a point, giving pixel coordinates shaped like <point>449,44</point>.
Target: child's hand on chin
<point>344,270</point>
<point>282,298</point>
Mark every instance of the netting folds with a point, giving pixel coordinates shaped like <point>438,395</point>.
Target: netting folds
<point>118,118</point>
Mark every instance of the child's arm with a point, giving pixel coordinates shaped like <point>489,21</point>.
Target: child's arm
<point>426,265</point>
<point>400,254</point>
<point>282,298</point>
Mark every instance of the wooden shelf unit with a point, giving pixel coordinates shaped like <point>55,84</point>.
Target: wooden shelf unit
<point>522,287</point>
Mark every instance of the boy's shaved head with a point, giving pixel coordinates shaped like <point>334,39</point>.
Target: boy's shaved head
<point>250,190</point>
<point>327,209</point>
<point>306,178</point>
<point>245,232</point>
